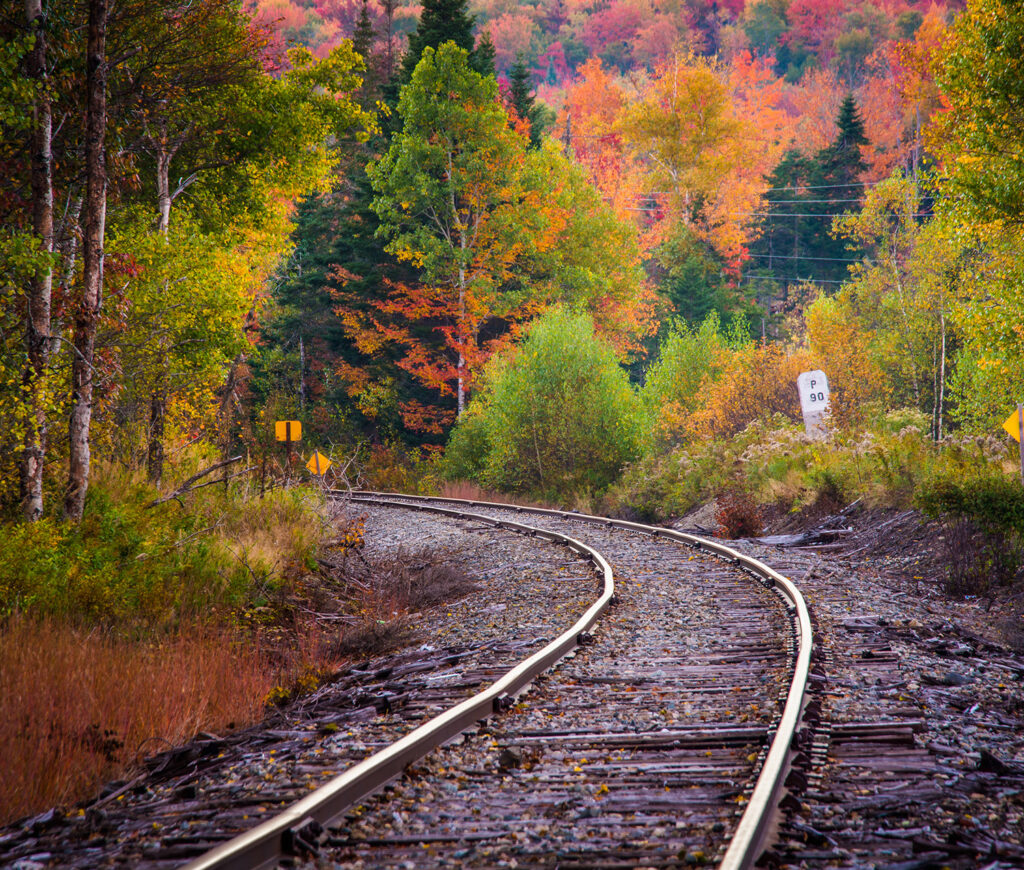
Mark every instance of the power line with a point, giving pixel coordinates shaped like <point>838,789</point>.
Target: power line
<point>775,201</point>
<point>789,280</point>
<point>791,214</point>
<point>798,257</point>
<point>826,186</point>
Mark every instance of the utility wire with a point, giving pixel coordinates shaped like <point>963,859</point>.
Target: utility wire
<point>789,280</point>
<point>798,257</point>
<point>791,214</point>
<point>776,201</point>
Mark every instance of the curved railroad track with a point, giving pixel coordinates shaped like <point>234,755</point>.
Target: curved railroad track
<point>662,738</point>
<point>609,787</point>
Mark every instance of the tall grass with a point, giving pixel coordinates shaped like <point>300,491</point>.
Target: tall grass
<point>886,465</point>
<point>84,705</point>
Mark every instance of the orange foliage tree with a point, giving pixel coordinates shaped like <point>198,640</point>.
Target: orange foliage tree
<point>594,102</point>
<point>700,156</point>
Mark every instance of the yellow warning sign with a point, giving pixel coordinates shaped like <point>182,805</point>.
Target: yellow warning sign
<point>318,463</point>
<point>1012,425</point>
<point>288,430</point>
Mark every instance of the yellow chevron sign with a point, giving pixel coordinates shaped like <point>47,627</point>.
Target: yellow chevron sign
<point>318,463</point>
<point>1012,425</point>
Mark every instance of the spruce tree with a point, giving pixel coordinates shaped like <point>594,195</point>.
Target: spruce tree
<point>805,196</point>
<point>842,161</point>
<point>363,34</point>
<point>482,57</point>
<point>520,98</point>
<point>441,21</point>
<point>842,166</point>
<point>363,37</point>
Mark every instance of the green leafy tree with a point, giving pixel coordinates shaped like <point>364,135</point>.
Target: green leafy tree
<point>450,197</point>
<point>980,144</point>
<point>555,416</point>
<point>901,296</point>
<point>980,139</point>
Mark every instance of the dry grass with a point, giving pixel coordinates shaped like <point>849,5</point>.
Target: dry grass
<point>470,491</point>
<point>81,707</point>
<point>377,596</point>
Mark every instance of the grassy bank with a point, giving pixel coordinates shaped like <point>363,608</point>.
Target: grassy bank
<point>892,462</point>
<point>142,626</point>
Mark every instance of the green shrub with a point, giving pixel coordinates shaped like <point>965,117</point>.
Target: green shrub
<point>128,565</point>
<point>993,500</point>
<point>556,416</point>
<point>688,360</point>
<point>984,529</point>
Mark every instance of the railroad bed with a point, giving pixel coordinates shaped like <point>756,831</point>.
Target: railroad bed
<point>911,754</point>
<point>639,751</point>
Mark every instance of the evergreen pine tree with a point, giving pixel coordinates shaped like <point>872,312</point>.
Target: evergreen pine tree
<point>363,34</point>
<point>482,57</point>
<point>789,234</point>
<point>842,166</point>
<point>338,263</point>
<point>441,21</point>
<point>842,162</point>
<point>363,37</point>
<point>520,98</point>
<point>805,195</point>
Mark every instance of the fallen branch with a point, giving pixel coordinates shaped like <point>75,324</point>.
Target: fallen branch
<point>188,486</point>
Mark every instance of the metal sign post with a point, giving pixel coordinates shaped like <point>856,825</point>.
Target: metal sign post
<point>1014,427</point>
<point>1020,437</point>
<point>288,431</point>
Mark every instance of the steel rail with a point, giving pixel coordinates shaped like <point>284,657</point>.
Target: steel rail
<point>263,846</point>
<point>755,826</point>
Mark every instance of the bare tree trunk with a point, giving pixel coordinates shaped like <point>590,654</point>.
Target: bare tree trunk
<point>302,375</point>
<point>155,453</point>
<point>41,287</point>
<point>163,188</point>
<point>158,398</point>
<point>460,390</point>
<point>88,308</point>
<point>942,379</point>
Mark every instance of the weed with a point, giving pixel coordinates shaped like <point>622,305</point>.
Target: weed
<point>375,597</point>
<point>984,524</point>
<point>737,515</point>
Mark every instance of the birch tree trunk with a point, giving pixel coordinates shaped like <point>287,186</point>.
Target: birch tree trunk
<point>41,287</point>
<point>158,398</point>
<point>88,307</point>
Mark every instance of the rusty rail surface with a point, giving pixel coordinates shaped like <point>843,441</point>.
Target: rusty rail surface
<point>755,826</point>
<point>264,845</point>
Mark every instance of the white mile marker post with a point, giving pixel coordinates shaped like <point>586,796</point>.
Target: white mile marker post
<point>814,396</point>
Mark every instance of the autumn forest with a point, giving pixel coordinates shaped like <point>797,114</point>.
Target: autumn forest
<point>574,251</point>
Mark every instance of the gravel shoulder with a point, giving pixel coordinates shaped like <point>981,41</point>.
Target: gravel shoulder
<point>920,757</point>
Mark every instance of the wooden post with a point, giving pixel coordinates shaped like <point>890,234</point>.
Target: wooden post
<point>1020,437</point>
<point>288,446</point>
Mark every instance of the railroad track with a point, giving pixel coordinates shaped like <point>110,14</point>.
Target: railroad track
<point>663,738</point>
<point>641,751</point>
